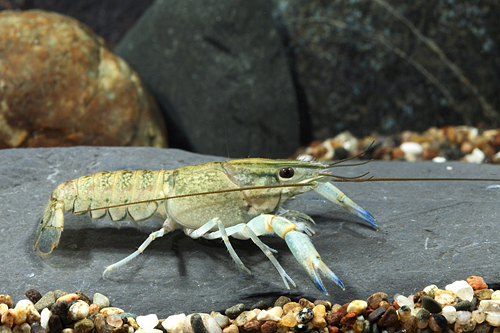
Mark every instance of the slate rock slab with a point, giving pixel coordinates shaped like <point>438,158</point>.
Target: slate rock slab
<point>218,70</point>
<point>430,232</point>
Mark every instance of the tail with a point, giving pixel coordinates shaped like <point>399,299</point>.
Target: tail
<point>50,228</point>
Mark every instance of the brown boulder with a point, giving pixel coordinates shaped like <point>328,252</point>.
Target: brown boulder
<point>59,86</point>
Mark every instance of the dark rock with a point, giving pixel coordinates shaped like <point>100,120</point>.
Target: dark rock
<point>62,87</point>
<point>197,324</point>
<point>430,304</point>
<point>463,306</point>
<point>376,314</point>
<point>301,328</point>
<point>389,318</point>
<point>220,74</point>
<point>417,298</point>
<point>61,310</point>
<point>235,310</point>
<point>260,305</point>
<point>33,295</point>
<point>346,53</point>
<point>84,297</point>
<point>375,299</point>
<point>55,325</point>
<point>282,300</point>
<point>440,320</point>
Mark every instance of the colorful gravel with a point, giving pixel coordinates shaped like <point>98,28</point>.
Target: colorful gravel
<point>462,306</point>
<point>468,144</point>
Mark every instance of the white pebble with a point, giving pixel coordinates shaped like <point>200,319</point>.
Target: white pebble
<point>276,311</point>
<point>402,300</point>
<point>266,315</point>
<point>231,329</point>
<point>496,295</point>
<point>148,330</point>
<point>489,305</point>
<point>478,315</point>
<point>79,310</point>
<point>411,148</point>
<point>462,289</point>
<point>450,313</point>
<point>100,300</point>
<point>477,156</point>
<point>463,317</point>
<point>429,290</point>
<point>221,319</point>
<point>493,319</point>
<point>445,299</point>
<point>148,321</point>
<point>439,159</point>
<point>174,323</point>
<point>44,318</point>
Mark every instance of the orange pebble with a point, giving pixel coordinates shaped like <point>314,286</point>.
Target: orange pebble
<point>68,298</point>
<point>476,282</point>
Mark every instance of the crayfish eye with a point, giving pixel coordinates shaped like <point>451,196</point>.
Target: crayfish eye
<point>287,172</point>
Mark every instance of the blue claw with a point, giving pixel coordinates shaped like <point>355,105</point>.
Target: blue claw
<point>336,196</point>
<point>304,251</point>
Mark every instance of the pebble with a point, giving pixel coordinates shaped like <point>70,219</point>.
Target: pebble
<point>260,305</point>
<point>110,310</point>
<point>6,299</point>
<point>357,306</point>
<point>55,324</point>
<point>482,294</point>
<point>411,325</point>
<point>482,328</point>
<point>477,282</point>
<point>429,290</point>
<point>46,301</point>
<point>44,318</point>
<point>93,308</point>
<point>79,310</point>
<point>319,320</point>
<point>37,328</point>
<point>148,321</point>
<point>100,300</point>
<point>20,312</point>
<point>493,318</point>
<point>221,319</point>
<point>230,329</point>
<point>84,297</point>
<point>463,317</point>
<point>115,320</point>
<point>251,326</point>
<point>291,307</point>
<point>450,313</point>
<point>462,289</point>
<point>430,304</point>
<point>305,315</point>
<point>327,304</point>
<point>8,318</point>
<point>84,326</point>
<point>495,295</point>
<point>33,295</point>
<point>445,300</point>
<point>289,320</point>
<point>199,323</point>
<point>389,318</point>
<point>463,305</point>
<point>478,315</point>
<point>244,318</point>
<point>174,323</point>
<point>265,315</point>
<point>269,327</point>
<point>437,322</point>
<point>422,318</point>
<point>477,156</point>
<point>281,301</point>
<point>235,310</point>
<point>62,310</point>
<point>68,330</point>
<point>3,308</point>
<point>25,328</point>
<point>378,312</point>
<point>68,298</point>
<point>402,300</point>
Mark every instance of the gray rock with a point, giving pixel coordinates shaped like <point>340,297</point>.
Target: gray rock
<point>423,226</point>
<point>218,69</point>
<point>46,301</point>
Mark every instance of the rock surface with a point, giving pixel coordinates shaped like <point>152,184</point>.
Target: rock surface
<point>447,230</point>
<point>60,86</point>
<point>220,74</point>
